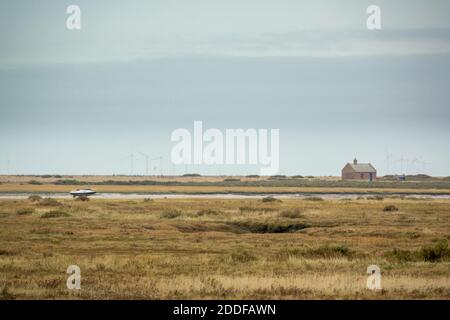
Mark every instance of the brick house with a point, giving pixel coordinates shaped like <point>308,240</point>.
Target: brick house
<point>359,171</point>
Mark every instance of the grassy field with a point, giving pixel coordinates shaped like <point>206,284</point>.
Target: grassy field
<point>50,188</point>
<point>226,249</point>
<point>222,185</point>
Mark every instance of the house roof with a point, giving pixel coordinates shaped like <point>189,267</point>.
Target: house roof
<point>362,167</point>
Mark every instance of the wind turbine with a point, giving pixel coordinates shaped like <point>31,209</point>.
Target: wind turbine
<point>388,158</point>
<point>160,163</point>
<point>415,161</point>
<point>147,157</point>
<point>131,157</point>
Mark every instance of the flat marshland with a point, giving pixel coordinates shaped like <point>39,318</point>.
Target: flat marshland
<point>225,249</point>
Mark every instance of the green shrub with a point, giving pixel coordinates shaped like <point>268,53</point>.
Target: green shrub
<point>402,255</point>
<point>191,175</point>
<point>55,214</point>
<point>68,182</point>
<point>291,214</point>
<point>437,252</point>
<point>171,214</point>
<point>25,211</point>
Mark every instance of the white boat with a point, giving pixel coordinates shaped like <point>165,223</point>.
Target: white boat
<point>82,192</point>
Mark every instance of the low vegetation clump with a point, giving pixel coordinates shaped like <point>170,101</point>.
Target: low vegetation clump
<point>328,252</point>
<point>82,198</point>
<point>25,211</point>
<point>434,253</point>
<point>55,214</point>
<point>5,294</point>
<point>231,180</point>
<point>268,227</point>
<point>34,182</point>
<point>377,197</point>
<point>64,182</point>
<point>207,212</point>
<point>291,214</point>
<point>6,252</point>
<point>313,199</point>
<point>242,256</point>
<point>270,199</point>
<point>277,177</point>
<point>35,198</point>
<point>171,214</point>
<point>438,252</point>
<point>390,208</point>
<point>49,202</point>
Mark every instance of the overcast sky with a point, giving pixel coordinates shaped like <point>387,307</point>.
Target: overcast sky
<point>82,101</point>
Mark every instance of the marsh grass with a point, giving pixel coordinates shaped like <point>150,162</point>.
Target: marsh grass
<point>25,211</point>
<point>49,202</point>
<point>127,250</point>
<point>390,208</point>
<point>55,214</point>
<point>291,214</point>
<point>171,214</point>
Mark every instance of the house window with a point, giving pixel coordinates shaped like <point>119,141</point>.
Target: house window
<point>362,175</point>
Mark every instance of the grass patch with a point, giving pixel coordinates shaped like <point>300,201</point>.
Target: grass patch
<point>437,252</point>
<point>328,252</point>
<point>207,212</point>
<point>313,199</point>
<point>55,214</point>
<point>25,211</point>
<point>390,208</point>
<point>49,202</point>
<point>242,256</point>
<point>270,199</point>
<point>82,198</point>
<point>268,227</point>
<point>291,214</point>
<point>171,214</point>
<point>35,198</point>
<point>377,197</point>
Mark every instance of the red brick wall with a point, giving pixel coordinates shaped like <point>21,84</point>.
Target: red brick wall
<point>350,175</point>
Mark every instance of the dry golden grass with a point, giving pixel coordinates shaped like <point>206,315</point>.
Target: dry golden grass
<point>198,248</point>
<point>49,188</point>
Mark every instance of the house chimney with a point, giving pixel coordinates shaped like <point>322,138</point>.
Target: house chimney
<point>355,161</point>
